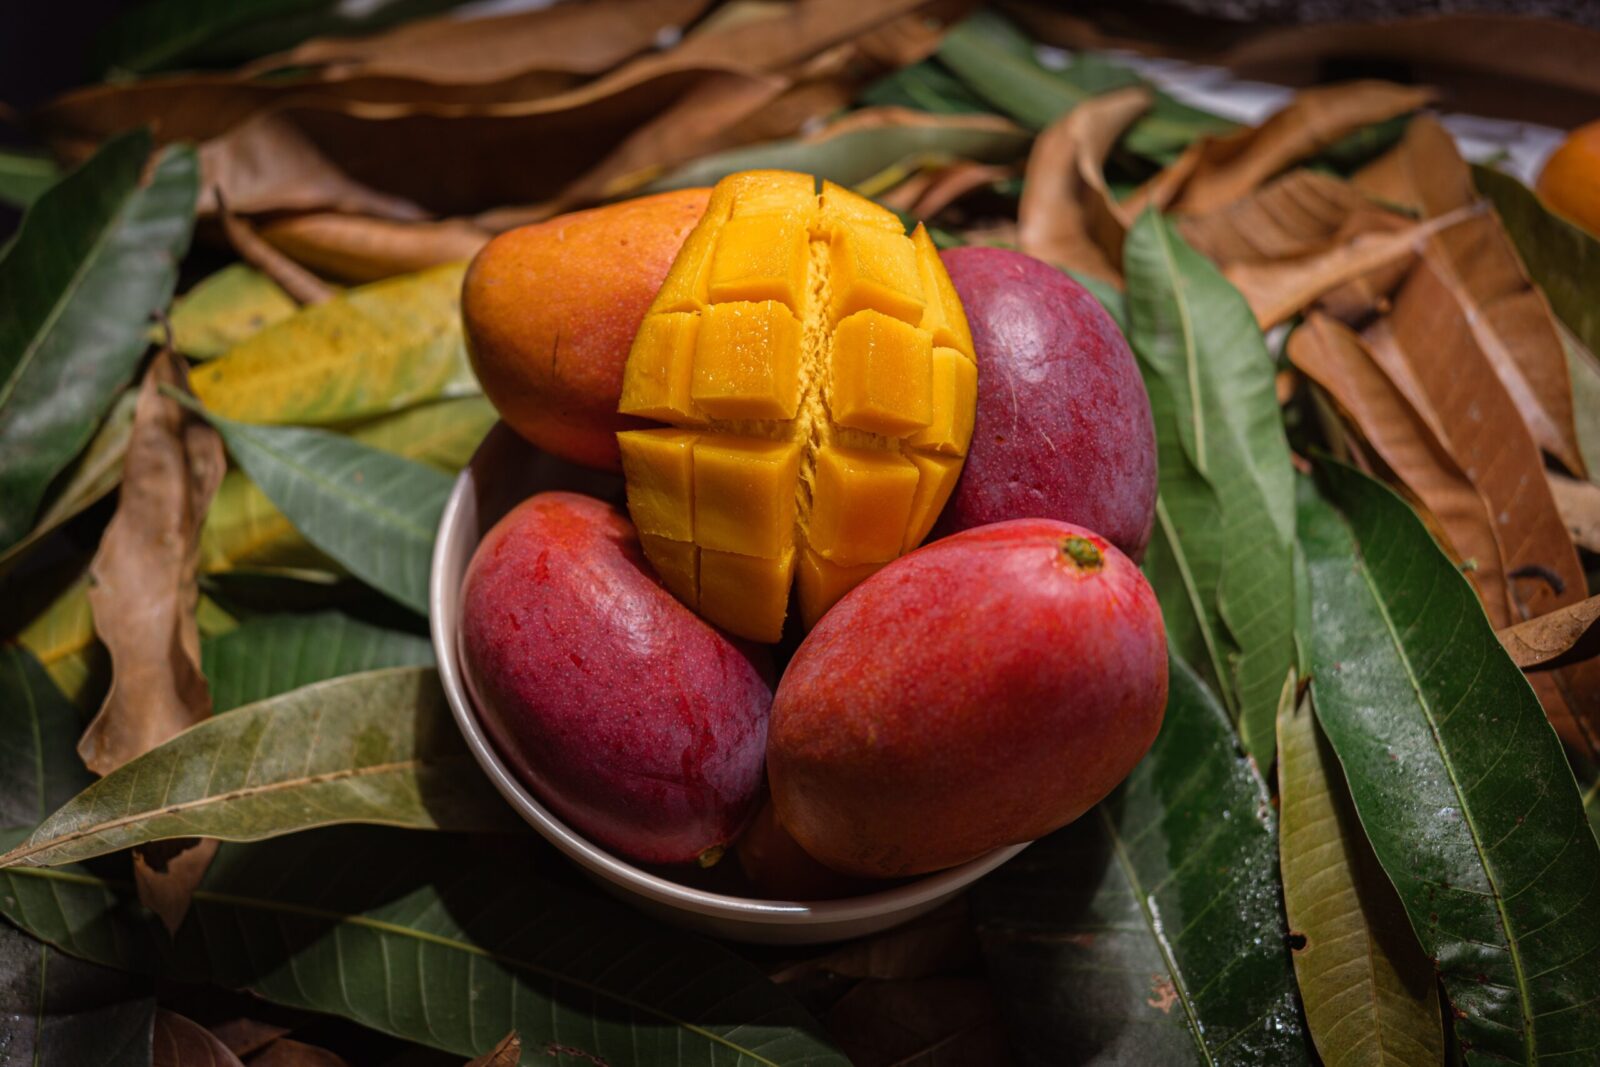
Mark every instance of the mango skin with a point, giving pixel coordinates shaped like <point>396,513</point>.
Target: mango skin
<point>551,310</point>
<point>979,692</point>
<point>637,723</point>
<point>1063,428</point>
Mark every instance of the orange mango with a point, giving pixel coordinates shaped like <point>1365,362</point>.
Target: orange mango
<point>552,309</point>
<point>816,373</point>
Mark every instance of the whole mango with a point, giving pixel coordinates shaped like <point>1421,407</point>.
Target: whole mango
<point>982,691</point>
<point>816,371</point>
<point>633,720</point>
<point>551,309</point>
<point>1063,422</point>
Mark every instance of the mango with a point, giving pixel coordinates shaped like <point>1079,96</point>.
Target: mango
<point>816,374</point>
<point>982,691</point>
<point>1063,426</point>
<point>634,721</point>
<point>551,309</point>
<point>779,869</point>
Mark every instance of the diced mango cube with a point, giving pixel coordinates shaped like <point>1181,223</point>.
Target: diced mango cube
<point>659,468</point>
<point>821,584</point>
<point>744,494</point>
<point>943,316</point>
<point>874,269</point>
<point>861,503</point>
<point>882,375</point>
<point>684,288</point>
<point>936,480</point>
<point>839,207</point>
<point>677,563</point>
<point>655,382</point>
<point>763,257</point>
<point>745,594</point>
<point>775,192</point>
<point>955,401</point>
<point>747,361</point>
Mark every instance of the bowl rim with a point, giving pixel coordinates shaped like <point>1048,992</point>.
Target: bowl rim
<point>443,604</point>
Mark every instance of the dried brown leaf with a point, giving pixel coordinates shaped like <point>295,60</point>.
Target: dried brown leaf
<point>507,1052</point>
<point>290,276</point>
<point>1579,504</point>
<point>268,164</point>
<point>943,186</point>
<point>244,1035</point>
<point>566,39</point>
<point>1510,317</point>
<point>1556,638</point>
<point>286,1052</point>
<point>1067,215</point>
<point>1353,276</point>
<point>180,1042</point>
<point>1337,360</point>
<point>359,248</point>
<point>1216,171</point>
<point>166,874</point>
<point>1295,215</point>
<point>923,1022</point>
<point>143,589</point>
<point>1428,348</point>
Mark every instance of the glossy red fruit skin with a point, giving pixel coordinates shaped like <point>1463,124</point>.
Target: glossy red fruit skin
<point>982,691</point>
<point>1063,428</point>
<point>637,723</point>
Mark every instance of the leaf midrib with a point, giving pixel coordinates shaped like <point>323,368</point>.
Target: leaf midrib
<point>47,327</point>
<point>396,930</point>
<point>1154,929</point>
<point>1529,1044</point>
<point>1181,557</point>
<point>331,487</point>
<point>1191,351</point>
<point>29,850</point>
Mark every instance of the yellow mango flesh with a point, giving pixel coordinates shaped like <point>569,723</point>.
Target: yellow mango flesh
<point>816,374</point>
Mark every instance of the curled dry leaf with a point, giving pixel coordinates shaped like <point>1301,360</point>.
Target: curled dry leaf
<point>507,1052</point>
<point>360,248</point>
<point>143,588</point>
<point>1579,504</point>
<point>143,593</point>
<point>268,164</point>
<point>286,1052</point>
<point>1510,318</point>
<point>1067,215</point>
<point>181,1042</point>
<point>1216,171</point>
<point>245,1035</point>
<point>1561,637</point>
<point>290,276</point>
<point>933,189</point>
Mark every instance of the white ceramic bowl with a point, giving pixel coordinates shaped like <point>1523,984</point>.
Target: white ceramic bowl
<point>504,472</point>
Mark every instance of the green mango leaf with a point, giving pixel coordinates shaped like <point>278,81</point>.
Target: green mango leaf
<point>1370,996</point>
<point>1151,930</point>
<point>925,86</point>
<point>997,63</point>
<point>378,747</point>
<point>1561,257</point>
<point>57,1011</point>
<point>1456,775</point>
<point>245,531</point>
<point>373,512</point>
<point>226,309</point>
<point>1584,372</point>
<point>368,351</point>
<point>858,154</point>
<point>272,654</point>
<point>1221,557</point>
<point>24,176</point>
<point>90,477</point>
<point>95,258</point>
<point>446,941</point>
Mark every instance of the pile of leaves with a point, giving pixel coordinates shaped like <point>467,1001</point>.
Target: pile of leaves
<point>1365,835</point>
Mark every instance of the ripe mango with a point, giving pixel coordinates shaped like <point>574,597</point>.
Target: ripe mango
<point>1063,422</point>
<point>633,720</point>
<point>982,691</point>
<point>551,309</point>
<point>817,376</point>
